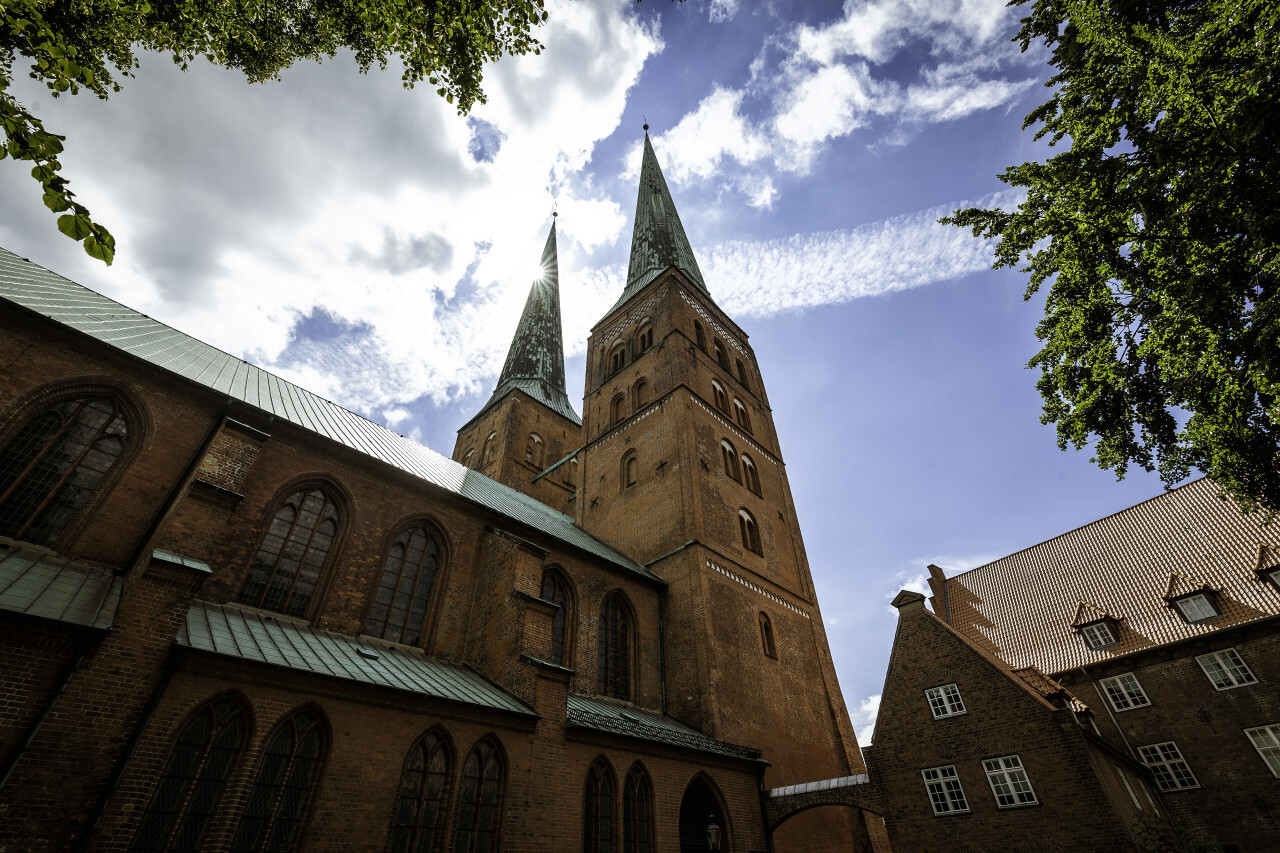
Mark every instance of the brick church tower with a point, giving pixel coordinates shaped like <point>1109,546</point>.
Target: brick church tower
<point>681,469</point>
<point>528,425</point>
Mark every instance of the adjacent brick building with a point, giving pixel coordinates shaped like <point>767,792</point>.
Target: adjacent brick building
<point>237,616</point>
<point>1094,691</point>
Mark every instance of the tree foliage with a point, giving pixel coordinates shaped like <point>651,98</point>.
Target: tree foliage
<point>1156,231</point>
<point>87,45</point>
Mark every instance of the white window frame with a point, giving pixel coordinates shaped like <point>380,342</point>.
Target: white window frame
<point>945,701</point>
<point>1124,692</point>
<point>1099,635</point>
<point>1196,608</point>
<point>1168,766</point>
<point>946,794</point>
<point>1226,669</point>
<point>1273,575</point>
<point>1009,783</point>
<point>1266,739</point>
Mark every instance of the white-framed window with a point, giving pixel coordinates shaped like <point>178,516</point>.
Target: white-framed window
<point>945,794</point>
<point>945,701</point>
<point>1009,782</point>
<point>1124,692</point>
<point>1099,635</point>
<point>1124,777</point>
<point>1266,739</point>
<point>1274,577</point>
<point>1196,608</point>
<point>1168,766</point>
<point>1225,669</point>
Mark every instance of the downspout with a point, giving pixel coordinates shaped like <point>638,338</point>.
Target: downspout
<point>1103,696</point>
<point>39,723</point>
<point>122,762</point>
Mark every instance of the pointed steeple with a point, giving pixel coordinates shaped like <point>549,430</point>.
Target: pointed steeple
<point>535,362</point>
<point>658,240</point>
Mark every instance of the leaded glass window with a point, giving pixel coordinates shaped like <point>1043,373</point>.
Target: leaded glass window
<point>476,829</point>
<point>51,468</point>
<point>193,780</point>
<point>287,567</point>
<point>400,606</point>
<point>419,825</point>
<point>280,798</point>
<point>637,812</point>
<point>597,809</point>
<point>614,649</point>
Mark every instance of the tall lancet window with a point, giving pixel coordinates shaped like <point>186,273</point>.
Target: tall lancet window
<point>400,606</point>
<point>613,672</point>
<point>54,464</point>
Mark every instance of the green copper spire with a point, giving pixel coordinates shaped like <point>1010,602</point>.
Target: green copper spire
<point>658,240</point>
<point>535,362</point>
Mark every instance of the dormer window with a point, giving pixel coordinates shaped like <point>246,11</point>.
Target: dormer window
<point>1099,628</point>
<point>1273,577</point>
<point>1195,601</point>
<point>1196,609</point>
<point>1099,635</point>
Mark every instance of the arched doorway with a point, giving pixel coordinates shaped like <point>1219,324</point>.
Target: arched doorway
<point>699,810</point>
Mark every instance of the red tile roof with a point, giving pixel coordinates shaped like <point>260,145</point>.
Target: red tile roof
<point>1022,607</point>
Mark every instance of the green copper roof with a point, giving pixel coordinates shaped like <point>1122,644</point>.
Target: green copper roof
<point>614,717</point>
<point>535,362</point>
<point>76,307</point>
<point>37,583</point>
<point>274,641</point>
<point>658,240</point>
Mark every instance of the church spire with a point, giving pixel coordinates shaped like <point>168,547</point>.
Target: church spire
<point>535,362</point>
<point>658,240</point>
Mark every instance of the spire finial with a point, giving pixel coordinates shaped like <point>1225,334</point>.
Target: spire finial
<point>646,124</point>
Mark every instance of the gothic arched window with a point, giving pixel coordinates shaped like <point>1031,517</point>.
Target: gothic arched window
<point>718,395</point>
<point>644,339</point>
<point>640,394</point>
<point>722,358</point>
<point>419,823</point>
<point>637,812</point>
<point>740,413</point>
<point>490,446</point>
<point>556,590</point>
<point>597,809</point>
<point>766,636</point>
<point>400,605</point>
<point>280,798</point>
<point>630,469</point>
<point>730,457</point>
<point>466,458</point>
<point>699,336</point>
<point>613,665</point>
<point>617,358</point>
<point>50,469</point>
<point>750,475</point>
<point>750,531</point>
<point>617,410</point>
<point>742,373</point>
<point>480,801</point>
<point>533,449</point>
<point>194,779</point>
<point>287,567</point>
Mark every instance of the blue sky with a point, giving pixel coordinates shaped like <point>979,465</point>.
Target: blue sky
<point>371,245</point>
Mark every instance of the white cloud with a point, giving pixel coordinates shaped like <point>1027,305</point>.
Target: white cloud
<point>877,29</point>
<point>832,101</point>
<point>697,145</point>
<point>758,278</point>
<point>863,716</point>
<point>722,10</point>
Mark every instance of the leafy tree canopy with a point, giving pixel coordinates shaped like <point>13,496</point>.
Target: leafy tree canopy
<point>1156,231</point>
<point>75,45</point>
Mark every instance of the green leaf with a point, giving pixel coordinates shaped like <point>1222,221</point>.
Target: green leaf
<point>75,226</point>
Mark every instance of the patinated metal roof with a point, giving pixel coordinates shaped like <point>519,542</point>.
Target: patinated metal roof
<point>535,362</point>
<point>269,639</point>
<point>39,583</point>
<point>658,240</point>
<point>1022,607</point>
<point>606,715</point>
<point>62,300</point>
